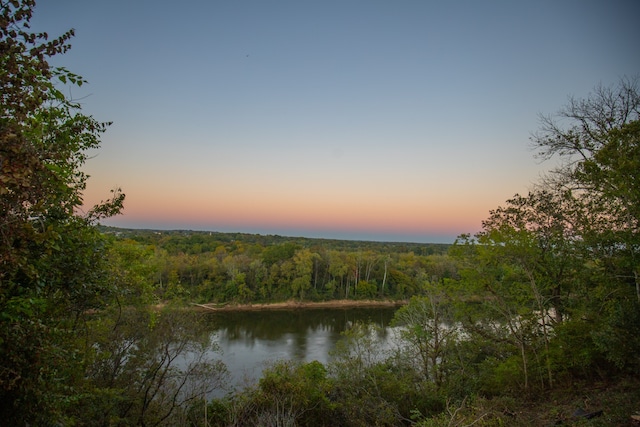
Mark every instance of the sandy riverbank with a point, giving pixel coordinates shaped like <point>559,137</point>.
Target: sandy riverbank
<point>295,305</point>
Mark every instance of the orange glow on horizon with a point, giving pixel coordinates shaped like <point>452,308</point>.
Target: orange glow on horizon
<point>319,210</point>
<point>342,216</point>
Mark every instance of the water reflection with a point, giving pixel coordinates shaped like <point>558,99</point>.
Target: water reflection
<point>249,340</point>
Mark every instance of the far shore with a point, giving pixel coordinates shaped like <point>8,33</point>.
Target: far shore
<point>295,305</point>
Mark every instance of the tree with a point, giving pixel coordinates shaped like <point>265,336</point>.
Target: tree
<point>360,372</point>
<point>557,270</point>
<point>600,147</point>
<point>288,394</point>
<point>147,368</point>
<point>428,332</point>
<point>303,261</point>
<point>51,256</point>
<point>507,273</point>
<point>612,177</point>
<point>338,268</point>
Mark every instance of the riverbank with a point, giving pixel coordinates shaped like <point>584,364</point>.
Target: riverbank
<point>299,305</point>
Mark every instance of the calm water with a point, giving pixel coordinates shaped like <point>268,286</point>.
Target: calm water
<point>249,340</point>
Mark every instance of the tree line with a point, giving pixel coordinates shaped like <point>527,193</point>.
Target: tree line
<point>545,296</point>
<point>242,268</point>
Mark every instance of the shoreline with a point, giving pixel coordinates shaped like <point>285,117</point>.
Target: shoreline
<point>298,305</point>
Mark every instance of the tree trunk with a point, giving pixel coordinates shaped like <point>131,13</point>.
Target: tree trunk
<point>384,278</point>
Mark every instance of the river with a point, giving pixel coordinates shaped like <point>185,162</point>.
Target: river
<point>249,340</point>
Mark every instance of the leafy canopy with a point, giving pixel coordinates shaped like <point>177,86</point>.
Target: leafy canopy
<point>51,254</point>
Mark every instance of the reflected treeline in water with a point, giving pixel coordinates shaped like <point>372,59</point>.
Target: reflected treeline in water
<point>250,340</point>
<point>274,325</point>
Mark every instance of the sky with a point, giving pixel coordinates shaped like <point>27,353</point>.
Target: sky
<point>354,119</point>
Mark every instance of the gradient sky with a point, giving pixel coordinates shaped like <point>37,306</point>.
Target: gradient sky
<point>373,120</point>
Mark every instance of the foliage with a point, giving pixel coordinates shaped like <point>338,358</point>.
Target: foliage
<point>371,386</point>
<point>547,293</point>
<point>288,394</point>
<point>147,368</point>
<point>51,256</point>
<point>429,333</point>
<point>555,273</point>
<point>211,267</point>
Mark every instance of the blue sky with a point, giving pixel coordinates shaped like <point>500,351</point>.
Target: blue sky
<point>376,120</point>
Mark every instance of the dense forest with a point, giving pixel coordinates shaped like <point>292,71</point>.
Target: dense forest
<point>520,324</point>
<point>210,267</point>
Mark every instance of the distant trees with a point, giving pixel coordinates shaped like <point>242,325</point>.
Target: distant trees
<point>233,272</point>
